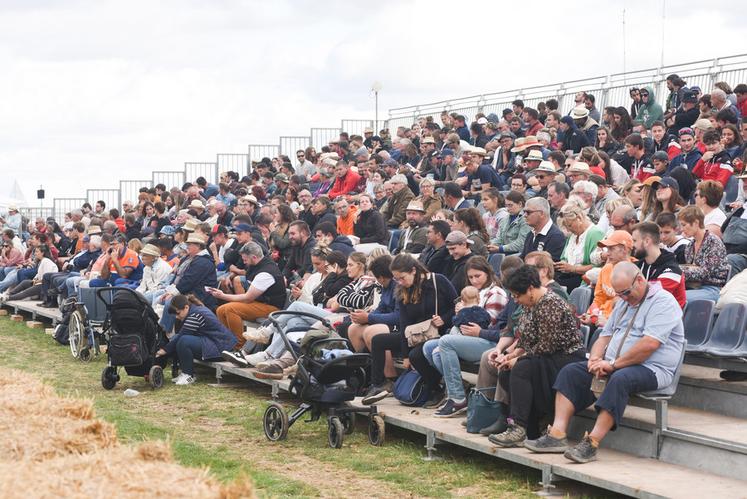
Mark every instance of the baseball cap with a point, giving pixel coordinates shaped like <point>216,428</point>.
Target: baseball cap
<point>457,237</point>
<point>617,237</point>
<point>243,228</point>
<point>447,152</point>
<point>167,230</point>
<point>661,156</point>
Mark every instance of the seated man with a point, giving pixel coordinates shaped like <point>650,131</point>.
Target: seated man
<point>639,350</point>
<point>123,268</point>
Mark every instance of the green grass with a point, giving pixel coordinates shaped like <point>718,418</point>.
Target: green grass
<point>221,428</point>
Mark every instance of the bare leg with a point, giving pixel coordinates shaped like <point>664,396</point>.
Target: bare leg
<point>355,335</point>
<point>238,288</point>
<point>563,413</point>
<point>604,424</point>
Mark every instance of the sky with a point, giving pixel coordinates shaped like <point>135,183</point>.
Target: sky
<point>98,91</point>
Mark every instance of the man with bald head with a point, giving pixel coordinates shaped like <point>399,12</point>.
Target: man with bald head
<point>639,350</point>
<point>624,218</point>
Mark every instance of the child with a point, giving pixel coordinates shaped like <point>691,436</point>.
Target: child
<point>471,311</point>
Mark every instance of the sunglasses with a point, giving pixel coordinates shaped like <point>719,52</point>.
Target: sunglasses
<point>626,292</point>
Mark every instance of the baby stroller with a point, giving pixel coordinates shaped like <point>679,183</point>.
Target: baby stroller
<point>133,336</point>
<point>323,386</point>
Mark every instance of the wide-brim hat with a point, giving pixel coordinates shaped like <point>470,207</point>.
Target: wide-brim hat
<point>94,229</point>
<point>190,225</point>
<point>196,239</point>
<point>415,206</point>
<point>196,203</point>
<point>534,155</point>
<point>151,250</point>
<point>579,113</point>
<point>580,167</point>
<point>546,166</point>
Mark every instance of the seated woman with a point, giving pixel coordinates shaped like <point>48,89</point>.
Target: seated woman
<point>469,221</point>
<point>582,240</point>
<point>202,336</point>
<point>421,296</point>
<point>548,340</point>
<point>31,288</point>
<point>706,266</point>
<point>469,341</point>
<point>512,229</point>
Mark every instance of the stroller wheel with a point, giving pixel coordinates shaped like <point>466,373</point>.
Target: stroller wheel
<point>376,430</point>
<point>85,355</point>
<point>109,377</point>
<point>335,432</point>
<point>348,422</point>
<point>155,376</point>
<point>76,328</point>
<point>275,422</point>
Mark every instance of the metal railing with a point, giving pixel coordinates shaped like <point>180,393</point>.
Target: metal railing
<point>610,90</point>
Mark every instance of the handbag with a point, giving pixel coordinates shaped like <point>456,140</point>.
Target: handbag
<point>599,383</point>
<point>482,410</point>
<point>423,331</point>
<point>410,390</point>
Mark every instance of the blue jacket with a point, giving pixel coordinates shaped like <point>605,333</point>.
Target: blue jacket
<point>83,259</point>
<point>215,337</point>
<point>689,159</point>
<point>200,273</point>
<point>553,242</point>
<point>387,312</point>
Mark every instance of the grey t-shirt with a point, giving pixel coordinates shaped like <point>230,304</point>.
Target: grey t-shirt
<point>660,318</point>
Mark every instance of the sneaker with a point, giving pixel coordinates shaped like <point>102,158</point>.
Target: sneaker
<point>235,358</point>
<point>186,380</point>
<point>262,335</point>
<point>514,436</point>
<point>179,378</point>
<point>4,296</point>
<point>451,409</point>
<point>376,393</point>
<point>269,371</point>
<point>733,376</point>
<point>254,359</point>
<point>436,400</point>
<point>547,444</point>
<point>583,452</point>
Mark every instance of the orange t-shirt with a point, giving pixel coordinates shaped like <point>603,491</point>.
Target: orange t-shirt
<point>345,225</point>
<point>130,259</point>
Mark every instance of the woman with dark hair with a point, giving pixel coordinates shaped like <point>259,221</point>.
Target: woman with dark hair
<point>279,242</point>
<point>468,341</point>
<point>369,226</point>
<point>201,336</point>
<point>622,124</point>
<point>417,294</point>
<point>731,140</point>
<point>469,221</point>
<point>409,155</point>
<point>549,339</point>
<point>31,288</point>
<point>606,142</point>
<point>513,229</point>
<point>477,135</point>
<point>661,196</point>
<point>495,211</point>
<point>147,212</point>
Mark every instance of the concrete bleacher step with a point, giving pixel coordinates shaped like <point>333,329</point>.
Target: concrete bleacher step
<point>616,471</point>
<point>702,388</point>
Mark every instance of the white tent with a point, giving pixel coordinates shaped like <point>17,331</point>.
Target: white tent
<point>11,194</point>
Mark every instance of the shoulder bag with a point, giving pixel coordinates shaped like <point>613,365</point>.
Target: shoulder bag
<point>421,332</point>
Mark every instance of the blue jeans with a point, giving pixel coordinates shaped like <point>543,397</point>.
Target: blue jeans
<point>704,293</point>
<point>444,354</point>
<point>10,279</point>
<point>167,319</point>
<point>71,285</point>
<point>188,348</point>
<point>277,346</point>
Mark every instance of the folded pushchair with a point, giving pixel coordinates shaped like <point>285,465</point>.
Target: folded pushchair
<point>324,386</point>
<point>133,336</point>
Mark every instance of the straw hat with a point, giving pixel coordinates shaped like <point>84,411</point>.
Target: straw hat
<point>197,239</point>
<point>190,225</point>
<point>151,250</point>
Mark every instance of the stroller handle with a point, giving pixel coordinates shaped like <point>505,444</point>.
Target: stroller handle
<point>113,289</point>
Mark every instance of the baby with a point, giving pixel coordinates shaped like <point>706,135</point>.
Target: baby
<point>471,311</point>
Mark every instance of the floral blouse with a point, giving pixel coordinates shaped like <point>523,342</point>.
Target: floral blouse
<point>549,327</point>
<point>709,265</point>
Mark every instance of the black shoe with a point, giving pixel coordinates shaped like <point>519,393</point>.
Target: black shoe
<point>451,409</point>
<point>437,399</point>
<point>48,304</point>
<point>733,376</point>
<point>496,428</point>
<point>376,393</point>
<point>236,358</point>
<point>583,452</point>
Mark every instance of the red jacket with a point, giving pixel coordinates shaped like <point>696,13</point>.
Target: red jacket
<point>344,185</point>
<point>718,168</point>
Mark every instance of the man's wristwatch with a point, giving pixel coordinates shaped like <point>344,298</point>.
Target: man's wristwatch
<point>612,363</point>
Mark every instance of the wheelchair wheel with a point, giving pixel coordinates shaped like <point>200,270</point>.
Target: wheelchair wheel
<point>109,377</point>
<point>376,430</point>
<point>348,422</point>
<point>76,331</point>
<point>275,422</point>
<point>155,376</point>
<point>335,432</point>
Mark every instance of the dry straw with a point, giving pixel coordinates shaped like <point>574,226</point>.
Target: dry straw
<point>55,447</point>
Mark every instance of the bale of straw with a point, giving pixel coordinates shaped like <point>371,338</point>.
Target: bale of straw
<point>121,472</point>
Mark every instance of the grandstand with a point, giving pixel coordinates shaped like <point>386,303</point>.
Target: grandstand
<point>692,443</point>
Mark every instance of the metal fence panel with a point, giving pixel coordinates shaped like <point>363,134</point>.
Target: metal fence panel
<point>66,205</point>
<point>321,137</point>
<point>32,213</point>
<point>129,189</point>
<point>109,196</point>
<point>231,162</point>
<point>259,151</point>
<point>289,145</point>
<point>169,179</point>
<point>196,169</point>
<point>356,127</point>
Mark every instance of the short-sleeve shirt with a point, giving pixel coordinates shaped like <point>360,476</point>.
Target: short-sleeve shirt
<point>660,317</point>
<point>128,260</point>
<point>263,281</point>
<point>485,175</point>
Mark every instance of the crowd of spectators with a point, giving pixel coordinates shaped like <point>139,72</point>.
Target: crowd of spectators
<point>641,202</point>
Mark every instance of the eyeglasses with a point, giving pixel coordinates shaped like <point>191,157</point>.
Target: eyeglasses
<point>529,212</point>
<point>643,94</point>
<point>540,177</point>
<point>300,156</point>
<point>626,292</point>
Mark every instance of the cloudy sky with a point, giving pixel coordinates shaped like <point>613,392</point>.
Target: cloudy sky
<point>97,91</point>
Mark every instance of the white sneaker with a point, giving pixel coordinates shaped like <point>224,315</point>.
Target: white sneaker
<point>179,378</point>
<point>262,335</point>
<point>4,296</point>
<point>256,358</point>
<point>186,380</point>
